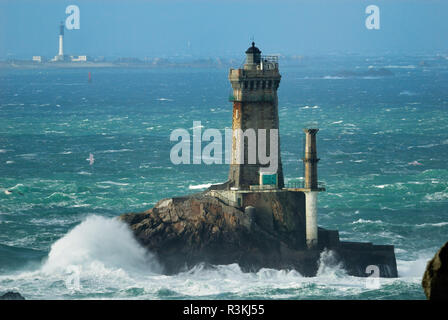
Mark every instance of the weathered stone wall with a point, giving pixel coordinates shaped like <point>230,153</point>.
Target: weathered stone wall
<point>255,107</point>
<point>253,115</point>
<point>282,213</point>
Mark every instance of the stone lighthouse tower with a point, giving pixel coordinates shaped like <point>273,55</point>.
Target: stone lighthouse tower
<point>255,107</point>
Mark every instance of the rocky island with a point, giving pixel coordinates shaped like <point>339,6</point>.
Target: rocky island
<point>185,231</point>
<point>254,219</point>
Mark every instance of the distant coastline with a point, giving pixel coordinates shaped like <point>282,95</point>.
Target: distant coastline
<point>132,63</point>
<point>22,64</point>
<point>52,65</point>
<point>375,70</point>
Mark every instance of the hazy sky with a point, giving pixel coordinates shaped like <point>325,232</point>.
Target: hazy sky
<point>220,28</point>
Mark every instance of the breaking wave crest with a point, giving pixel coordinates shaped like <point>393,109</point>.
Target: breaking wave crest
<point>329,266</point>
<point>414,268</point>
<point>99,241</point>
<point>199,186</point>
<point>110,262</point>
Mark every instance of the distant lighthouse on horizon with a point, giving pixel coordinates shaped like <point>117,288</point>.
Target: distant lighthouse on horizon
<point>61,40</point>
<point>60,56</point>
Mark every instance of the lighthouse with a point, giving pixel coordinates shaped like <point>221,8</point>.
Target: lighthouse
<point>60,56</point>
<point>255,107</point>
<point>61,40</point>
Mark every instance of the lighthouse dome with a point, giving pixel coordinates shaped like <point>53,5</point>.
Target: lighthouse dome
<point>253,56</point>
<point>253,49</point>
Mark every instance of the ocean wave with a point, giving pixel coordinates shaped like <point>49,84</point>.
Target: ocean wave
<point>85,173</point>
<point>407,93</point>
<point>199,186</point>
<point>439,224</point>
<point>390,236</point>
<point>50,221</point>
<point>396,185</point>
<point>28,155</point>
<point>114,183</point>
<point>99,242</point>
<point>333,78</point>
<point>384,208</point>
<point>337,153</point>
<point>80,205</point>
<point>114,151</point>
<point>105,258</point>
<point>363,221</point>
<point>437,196</point>
<point>117,119</point>
<point>413,268</point>
<point>308,107</point>
<point>400,67</point>
<point>329,266</point>
<point>59,196</point>
<point>430,145</point>
<point>12,104</point>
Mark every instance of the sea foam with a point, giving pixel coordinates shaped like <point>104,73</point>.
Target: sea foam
<point>199,186</point>
<point>99,241</point>
<point>413,268</point>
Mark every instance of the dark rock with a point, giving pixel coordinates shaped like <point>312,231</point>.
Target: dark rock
<point>268,233</point>
<point>435,278</point>
<point>12,296</point>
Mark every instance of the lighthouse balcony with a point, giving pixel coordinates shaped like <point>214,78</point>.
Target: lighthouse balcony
<point>268,63</point>
<point>267,70</point>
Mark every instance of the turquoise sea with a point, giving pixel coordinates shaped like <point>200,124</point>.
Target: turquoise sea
<point>383,144</point>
